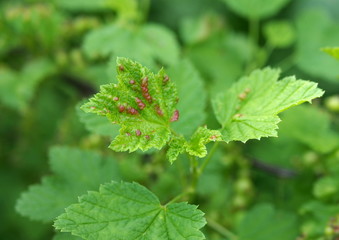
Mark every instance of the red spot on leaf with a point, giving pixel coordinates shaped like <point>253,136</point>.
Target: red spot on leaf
<point>144,82</point>
<point>132,111</point>
<point>158,110</point>
<point>175,116</point>
<point>147,137</point>
<point>166,79</point>
<point>141,105</point>
<point>121,108</point>
<point>213,137</point>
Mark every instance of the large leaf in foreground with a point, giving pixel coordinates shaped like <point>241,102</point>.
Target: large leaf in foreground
<point>142,102</point>
<point>249,109</point>
<point>122,211</point>
<point>75,172</point>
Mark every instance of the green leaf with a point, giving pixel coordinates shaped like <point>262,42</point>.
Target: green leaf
<point>65,236</point>
<point>200,138</point>
<point>279,34</point>
<point>311,126</point>
<point>97,124</point>
<point>334,51</point>
<point>17,89</point>
<point>177,146</point>
<point>327,187</point>
<point>249,109</point>
<point>82,5</point>
<point>194,30</point>
<point>151,43</point>
<point>263,222</point>
<point>130,211</point>
<point>192,97</point>
<point>76,171</point>
<point>318,215</point>
<point>315,29</point>
<point>256,8</point>
<point>143,104</point>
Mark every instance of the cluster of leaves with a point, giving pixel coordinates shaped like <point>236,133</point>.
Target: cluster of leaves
<point>164,79</point>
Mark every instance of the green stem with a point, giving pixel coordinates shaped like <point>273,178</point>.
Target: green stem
<point>253,41</point>
<point>207,159</point>
<point>195,174</point>
<point>178,197</point>
<point>145,6</point>
<point>254,31</point>
<point>221,229</point>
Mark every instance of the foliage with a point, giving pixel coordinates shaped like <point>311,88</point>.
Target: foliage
<point>169,119</point>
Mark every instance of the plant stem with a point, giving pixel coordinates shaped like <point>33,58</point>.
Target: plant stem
<point>221,229</point>
<point>145,6</point>
<point>254,31</point>
<point>208,158</point>
<point>195,173</point>
<point>253,42</point>
<point>178,197</point>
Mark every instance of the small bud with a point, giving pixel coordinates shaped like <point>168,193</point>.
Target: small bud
<point>116,99</point>
<point>121,68</point>
<point>147,137</point>
<point>128,134</point>
<point>132,82</point>
<point>137,132</point>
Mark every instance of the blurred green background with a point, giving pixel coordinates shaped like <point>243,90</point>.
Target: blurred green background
<point>53,54</point>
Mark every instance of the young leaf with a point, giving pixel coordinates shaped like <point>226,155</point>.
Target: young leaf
<point>143,104</point>
<point>76,171</point>
<point>265,223</point>
<point>200,138</point>
<point>249,109</point>
<point>130,211</point>
<point>256,8</point>
<point>177,146</point>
